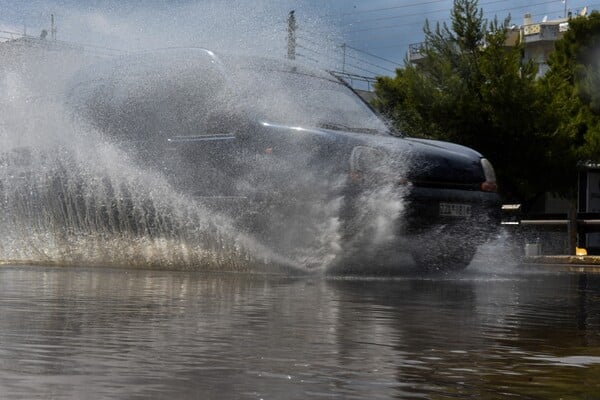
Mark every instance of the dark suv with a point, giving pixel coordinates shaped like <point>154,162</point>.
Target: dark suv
<point>268,142</point>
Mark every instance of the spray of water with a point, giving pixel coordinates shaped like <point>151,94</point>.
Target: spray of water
<point>69,195</point>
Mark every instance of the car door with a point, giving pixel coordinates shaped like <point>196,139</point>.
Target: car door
<point>204,165</point>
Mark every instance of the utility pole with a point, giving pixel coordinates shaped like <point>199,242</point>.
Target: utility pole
<point>344,59</point>
<point>291,47</point>
<point>565,3</point>
<point>52,27</point>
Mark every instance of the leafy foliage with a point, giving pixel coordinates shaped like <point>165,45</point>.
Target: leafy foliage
<point>573,83</point>
<point>473,89</point>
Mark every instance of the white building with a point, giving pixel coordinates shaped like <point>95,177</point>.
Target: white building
<point>537,39</point>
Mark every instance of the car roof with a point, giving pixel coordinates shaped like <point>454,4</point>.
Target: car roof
<point>268,64</point>
<point>174,60</point>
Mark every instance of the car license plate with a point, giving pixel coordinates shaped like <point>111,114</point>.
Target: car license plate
<point>455,210</point>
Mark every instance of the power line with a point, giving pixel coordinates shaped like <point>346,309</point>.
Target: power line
<point>346,56</point>
<point>371,64</point>
<point>369,54</point>
<point>336,44</point>
<point>307,57</point>
<point>362,69</point>
<point>386,8</point>
<point>381,67</point>
<point>309,40</point>
<point>419,4</point>
<point>388,26</point>
<point>396,26</point>
<point>350,65</point>
<point>308,49</point>
<point>383,35</point>
<point>414,14</point>
<point>351,57</point>
<point>21,35</point>
<point>420,22</point>
<point>373,55</point>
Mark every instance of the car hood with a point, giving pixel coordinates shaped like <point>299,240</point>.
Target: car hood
<point>422,161</point>
<point>433,161</point>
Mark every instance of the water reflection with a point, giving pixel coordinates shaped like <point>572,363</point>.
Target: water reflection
<point>102,333</point>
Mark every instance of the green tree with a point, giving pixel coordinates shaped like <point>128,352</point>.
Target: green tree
<point>471,88</point>
<point>573,87</point>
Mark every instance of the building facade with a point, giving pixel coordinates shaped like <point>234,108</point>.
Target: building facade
<point>537,38</point>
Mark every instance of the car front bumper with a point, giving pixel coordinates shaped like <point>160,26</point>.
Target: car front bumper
<point>467,213</point>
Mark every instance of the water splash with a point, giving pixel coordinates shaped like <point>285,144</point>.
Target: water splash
<point>69,196</point>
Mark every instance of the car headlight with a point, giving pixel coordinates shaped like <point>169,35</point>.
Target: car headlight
<point>490,184</point>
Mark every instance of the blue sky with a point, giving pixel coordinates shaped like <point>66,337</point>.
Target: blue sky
<point>376,32</point>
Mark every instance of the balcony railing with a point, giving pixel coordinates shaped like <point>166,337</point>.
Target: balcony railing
<point>416,51</point>
<point>417,48</point>
<point>547,32</point>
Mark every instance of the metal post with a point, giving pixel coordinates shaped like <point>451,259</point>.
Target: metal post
<point>344,59</point>
<point>52,27</point>
<point>291,50</point>
<point>572,230</point>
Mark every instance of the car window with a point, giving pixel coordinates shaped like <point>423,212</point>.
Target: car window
<point>146,100</point>
<point>184,105</point>
<point>290,97</point>
<point>158,96</point>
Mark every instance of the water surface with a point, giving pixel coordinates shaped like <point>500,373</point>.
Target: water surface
<point>100,333</point>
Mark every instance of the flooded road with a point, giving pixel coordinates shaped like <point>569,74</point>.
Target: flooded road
<point>91,333</point>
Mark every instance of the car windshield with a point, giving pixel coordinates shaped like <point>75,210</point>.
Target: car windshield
<point>180,97</point>
<point>309,100</point>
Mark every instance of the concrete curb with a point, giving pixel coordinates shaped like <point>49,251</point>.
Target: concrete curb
<point>565,263</point>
